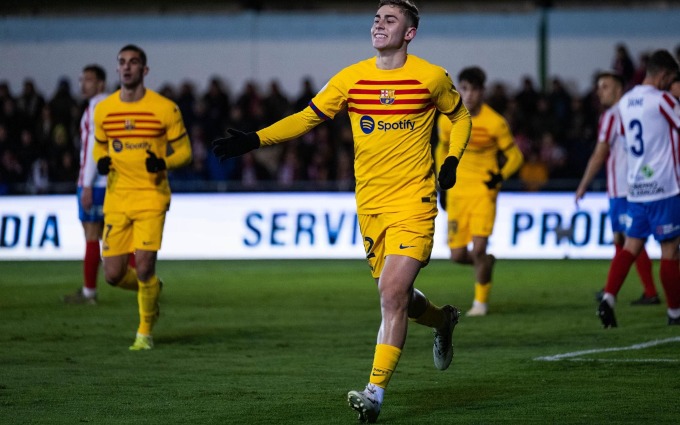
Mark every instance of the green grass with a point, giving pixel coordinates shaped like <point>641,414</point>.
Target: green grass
<point>262,342</point>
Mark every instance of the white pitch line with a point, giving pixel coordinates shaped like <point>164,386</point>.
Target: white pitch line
<point>607,350</point>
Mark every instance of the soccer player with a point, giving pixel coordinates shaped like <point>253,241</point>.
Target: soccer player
<point>391,101</point>
<point>611,148</point>
<point>135,128</point>
<point>471,204</point>
<point>650,118</point>
<point>91,186</point>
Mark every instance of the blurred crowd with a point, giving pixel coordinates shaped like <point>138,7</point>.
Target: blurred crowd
<point>39,137</point>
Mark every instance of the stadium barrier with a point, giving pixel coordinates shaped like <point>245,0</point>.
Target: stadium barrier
<point>306,225</point>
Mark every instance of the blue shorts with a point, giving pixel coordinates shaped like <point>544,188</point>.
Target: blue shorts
<point>618,213</point>
<point>658,218</point>
<point>96,213</point>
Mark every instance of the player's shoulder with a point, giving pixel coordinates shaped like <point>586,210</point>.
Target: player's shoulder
<point>426,67</point>
<point>491,113</point>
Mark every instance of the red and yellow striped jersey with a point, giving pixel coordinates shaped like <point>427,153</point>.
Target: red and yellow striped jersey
<point>125,131</point>
<point>490,134</point>
<point>392,115</point>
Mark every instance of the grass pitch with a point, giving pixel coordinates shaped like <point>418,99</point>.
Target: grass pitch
<point>262,342</point>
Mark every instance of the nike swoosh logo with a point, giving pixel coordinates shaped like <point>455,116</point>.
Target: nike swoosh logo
<point>146,243</point>
<point>402,246</point>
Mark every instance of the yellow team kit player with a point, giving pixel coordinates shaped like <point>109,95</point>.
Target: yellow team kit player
<point>135,128</point>
<point>471,203</point>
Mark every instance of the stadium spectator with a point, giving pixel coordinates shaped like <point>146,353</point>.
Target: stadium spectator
<point>623,65</point>
<point>65,109</point>
<point>91,187</point>
<point>653,188</point>
<point>138,192</point>
<point>395,191</point>
<point>217,104</point>
<point>471,203</point>
<point>498,98</point>
<point>30,102</point>
<point>534,173</point>
<point>611,149</point>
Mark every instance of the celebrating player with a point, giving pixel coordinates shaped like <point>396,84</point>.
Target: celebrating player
<point>391,101</point>
<point>471,204</point>
<point>134,127</point>
<point>650,118</point>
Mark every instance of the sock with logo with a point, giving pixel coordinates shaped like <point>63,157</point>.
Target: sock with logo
<point>91,266</point>
<point>644,268</point>
<point>618,270</point>
<point>670,279</point>
<point>129,280</point>
<point>147,299</point>
<point>384,362</point>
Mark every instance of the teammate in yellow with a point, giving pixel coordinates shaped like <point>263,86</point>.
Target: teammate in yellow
<point>391,100</point>
<point>471,205</point>
<point>135,128</point>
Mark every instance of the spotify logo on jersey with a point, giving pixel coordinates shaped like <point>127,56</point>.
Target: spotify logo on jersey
<point>367,124</point>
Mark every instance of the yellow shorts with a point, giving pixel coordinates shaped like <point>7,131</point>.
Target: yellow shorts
<point>125,232</point>
<point>470,216</point>
<point>404,233</point>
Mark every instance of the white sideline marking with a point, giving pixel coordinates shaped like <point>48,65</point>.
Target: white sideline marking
<point>574,355</point>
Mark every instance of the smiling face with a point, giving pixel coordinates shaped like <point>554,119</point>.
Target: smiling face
<point>390,30</point>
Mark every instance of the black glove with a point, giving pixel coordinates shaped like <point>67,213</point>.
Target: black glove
<point>104,165</point>
<point>447,174</point>
<point>154,164</point>
<point>236,144</point>
<point>494,181</point>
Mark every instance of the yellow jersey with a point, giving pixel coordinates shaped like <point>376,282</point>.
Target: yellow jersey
<point>392,116</point>
<point>490,134</point>
<point>125,131</point>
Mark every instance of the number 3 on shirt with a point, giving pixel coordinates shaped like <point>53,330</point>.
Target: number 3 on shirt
<point>638,148</point>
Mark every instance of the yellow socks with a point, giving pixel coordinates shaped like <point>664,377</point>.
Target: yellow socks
<point>129,281</point>
<point>384,362</point>
<point>432,317</point>
<point>147,299</point>
<point>482,292</point>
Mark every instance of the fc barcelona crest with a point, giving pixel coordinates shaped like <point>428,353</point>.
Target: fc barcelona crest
<point>129,124</point>
<point>387,96</point>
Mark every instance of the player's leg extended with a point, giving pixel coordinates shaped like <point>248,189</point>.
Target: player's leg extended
<point>149,291</point>
<point>618,270</point>
<point>148,232</point>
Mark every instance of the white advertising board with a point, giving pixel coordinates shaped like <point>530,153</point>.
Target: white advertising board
<point>306,225</point>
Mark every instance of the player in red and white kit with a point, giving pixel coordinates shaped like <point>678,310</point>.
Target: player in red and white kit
<point>650,119</point>
<point>611,149</point>
<point>91,187</point>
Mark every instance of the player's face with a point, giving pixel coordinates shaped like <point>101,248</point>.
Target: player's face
<point>608,91</point>
<point>89,85</point>
<point>472,95</point>
<point>130,69</point>
<point>390,29</point>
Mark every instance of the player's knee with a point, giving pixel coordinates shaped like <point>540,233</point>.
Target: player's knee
<point>458,256</point>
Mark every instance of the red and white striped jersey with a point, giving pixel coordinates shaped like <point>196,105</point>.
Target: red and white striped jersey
<point>88,176</point>
<point>650,119</point>
<point>609,132</point>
